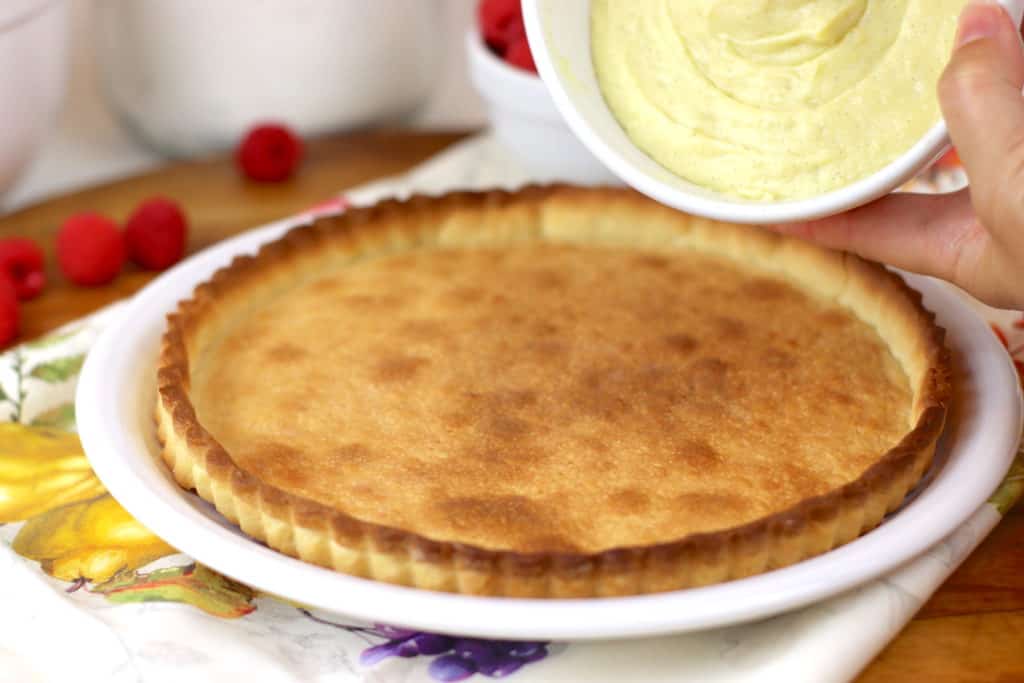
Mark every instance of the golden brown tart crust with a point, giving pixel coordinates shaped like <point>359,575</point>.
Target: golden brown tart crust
<point>504,546</point>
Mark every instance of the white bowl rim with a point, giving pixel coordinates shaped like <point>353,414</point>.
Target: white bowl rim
<point>477,46</point>
<point>927,150</point>
<point>506,85</point>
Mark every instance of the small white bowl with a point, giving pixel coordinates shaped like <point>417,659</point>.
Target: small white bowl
<point>33,61</point>
<point>525,119</point>
<point>559,34</point>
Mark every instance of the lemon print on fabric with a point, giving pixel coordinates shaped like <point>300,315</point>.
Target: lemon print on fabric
<point>94,539</point>
<point>1012,488</point>
<point>41,469</point>
<point>75,530</point>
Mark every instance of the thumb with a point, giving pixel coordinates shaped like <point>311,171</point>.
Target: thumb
<point>980,94</point>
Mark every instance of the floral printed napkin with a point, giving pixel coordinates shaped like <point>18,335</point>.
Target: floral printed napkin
<point>91,595</point>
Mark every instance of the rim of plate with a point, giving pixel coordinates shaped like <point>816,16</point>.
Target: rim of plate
<point>114,408</point>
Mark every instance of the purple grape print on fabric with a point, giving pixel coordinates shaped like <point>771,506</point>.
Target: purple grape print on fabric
<point>456,659</point>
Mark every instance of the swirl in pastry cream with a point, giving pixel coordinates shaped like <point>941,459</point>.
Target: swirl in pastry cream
<point>773,99</point>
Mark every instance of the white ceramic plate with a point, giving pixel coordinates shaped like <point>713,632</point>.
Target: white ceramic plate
<point>115,408</point>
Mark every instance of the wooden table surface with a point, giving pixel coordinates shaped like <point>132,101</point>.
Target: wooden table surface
<point>971,630</point>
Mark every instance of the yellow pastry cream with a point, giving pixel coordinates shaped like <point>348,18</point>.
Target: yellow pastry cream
<point>773,99</point>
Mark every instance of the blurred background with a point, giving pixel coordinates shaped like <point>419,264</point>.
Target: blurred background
<point>147,80</point>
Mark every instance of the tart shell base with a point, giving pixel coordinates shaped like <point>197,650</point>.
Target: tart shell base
<point>315,533</point>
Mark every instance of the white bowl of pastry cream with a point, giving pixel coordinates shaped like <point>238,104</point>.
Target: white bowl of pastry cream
<point>560,34</point>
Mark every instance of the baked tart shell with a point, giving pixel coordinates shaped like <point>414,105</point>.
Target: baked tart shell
<point>321,535</point>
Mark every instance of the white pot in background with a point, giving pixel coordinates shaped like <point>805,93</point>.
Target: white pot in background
<point>193,75</point>
<point>33,71</point>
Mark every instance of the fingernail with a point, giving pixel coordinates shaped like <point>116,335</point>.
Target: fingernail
<point>980,19</point>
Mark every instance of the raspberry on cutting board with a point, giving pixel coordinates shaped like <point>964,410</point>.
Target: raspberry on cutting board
<point>10,318</point>
<point>90,249</point>
<point>269,153</point>
<point>24,263</point>
<point>155,234</point>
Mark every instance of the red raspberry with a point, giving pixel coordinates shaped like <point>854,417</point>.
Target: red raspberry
<point>22,261</point>
<point>90,249</point>
<point>514,31</point>
<point>269,153</point>
<point>155,234</point>
<point>519,55</point>
<point>950,159</point>
<point>495,17</point>
<point>9,315</point>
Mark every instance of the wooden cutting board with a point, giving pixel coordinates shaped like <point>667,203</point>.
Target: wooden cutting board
<point>971,630</point>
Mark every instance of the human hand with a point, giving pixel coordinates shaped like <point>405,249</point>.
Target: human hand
<point>975,237</point>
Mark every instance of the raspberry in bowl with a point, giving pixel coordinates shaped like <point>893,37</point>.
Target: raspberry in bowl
<point>520,109</point>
